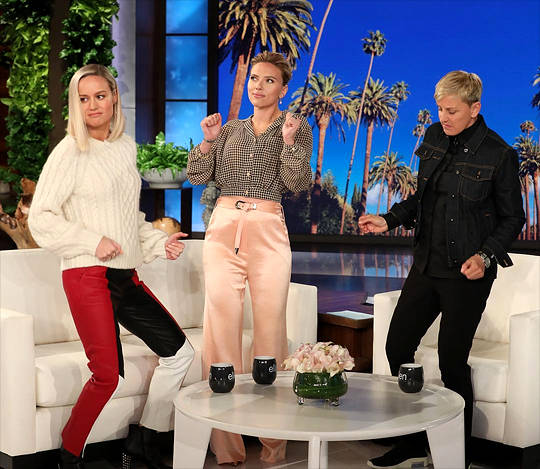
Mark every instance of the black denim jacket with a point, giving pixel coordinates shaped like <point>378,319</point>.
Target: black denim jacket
<point>486,214</point>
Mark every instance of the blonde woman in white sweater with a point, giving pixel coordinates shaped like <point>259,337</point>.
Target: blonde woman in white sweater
<point>86,210</point>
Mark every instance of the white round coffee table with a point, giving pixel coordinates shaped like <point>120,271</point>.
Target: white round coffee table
<point>374,407</point>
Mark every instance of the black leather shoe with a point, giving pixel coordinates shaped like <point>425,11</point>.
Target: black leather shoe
<point>69,460</point>
<point>141,444</point>
<point>401,457</point>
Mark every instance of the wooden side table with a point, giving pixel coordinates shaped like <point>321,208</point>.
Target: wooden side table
<point>350,329</point>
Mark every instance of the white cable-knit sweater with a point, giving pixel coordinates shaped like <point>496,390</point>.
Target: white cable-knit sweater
<point>82,196</point>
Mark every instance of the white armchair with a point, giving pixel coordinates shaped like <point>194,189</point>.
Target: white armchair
<point>505,356</point>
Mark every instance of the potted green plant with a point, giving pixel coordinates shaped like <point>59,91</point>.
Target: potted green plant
<point>162,165</point>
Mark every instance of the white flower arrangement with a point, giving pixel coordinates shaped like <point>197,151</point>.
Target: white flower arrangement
<point>322,357</point>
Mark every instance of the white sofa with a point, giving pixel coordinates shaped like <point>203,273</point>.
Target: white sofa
<point>505,356</point>
<point>42,362</point>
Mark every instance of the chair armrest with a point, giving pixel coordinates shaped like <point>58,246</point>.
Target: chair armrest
<point>17,383</point>
<point>301,315</point>
<point>384,305</point>
<point>522,425</point>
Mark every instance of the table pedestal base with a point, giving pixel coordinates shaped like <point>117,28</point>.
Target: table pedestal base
<point>190,448</point>
<point>447,444</point>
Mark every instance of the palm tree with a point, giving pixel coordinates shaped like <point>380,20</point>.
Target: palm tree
<point>529,157</point>
<point>536,98</point>
<point>378,110</point>
<point>423,119</point>
<point>374,45</point>
<point>527,127</point>
<point>314,54</point>
<point>325,102</point>
<point>400,92</point>
<point>390,170</point>
<point>245,24</point>
<point>524,179</point>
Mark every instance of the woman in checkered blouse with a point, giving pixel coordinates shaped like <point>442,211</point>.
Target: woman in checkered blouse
<point>253,161</point>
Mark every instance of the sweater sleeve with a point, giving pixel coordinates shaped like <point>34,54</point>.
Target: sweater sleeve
<point>295,170</point>
<point>47,221</point>
<point>201,167</point>
<point>152,240</point>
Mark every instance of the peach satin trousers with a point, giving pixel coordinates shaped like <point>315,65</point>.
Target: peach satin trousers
<point>245,240</point>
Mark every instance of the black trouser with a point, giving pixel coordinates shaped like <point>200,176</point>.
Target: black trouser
<point>461,303</point>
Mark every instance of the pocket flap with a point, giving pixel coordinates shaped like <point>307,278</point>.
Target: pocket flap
<point>477,173</point>
<point>426,151</point>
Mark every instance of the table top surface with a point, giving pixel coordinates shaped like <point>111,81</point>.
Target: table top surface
<point>373,407</point>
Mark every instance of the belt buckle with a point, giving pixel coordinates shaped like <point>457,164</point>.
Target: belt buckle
<point>238,202</point>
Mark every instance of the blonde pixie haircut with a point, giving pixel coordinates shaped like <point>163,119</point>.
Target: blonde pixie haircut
<point>76,125</point>
<point>275,59</point>
<point>467,86</point>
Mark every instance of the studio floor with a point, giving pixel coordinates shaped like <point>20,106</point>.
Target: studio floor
<point>341,455</point>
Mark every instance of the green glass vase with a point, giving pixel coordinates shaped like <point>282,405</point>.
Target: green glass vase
<point>320,386</point>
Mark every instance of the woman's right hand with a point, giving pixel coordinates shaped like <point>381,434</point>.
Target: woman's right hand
<point>372,224</point>
<point>211,126</point>
<point>107,249</point>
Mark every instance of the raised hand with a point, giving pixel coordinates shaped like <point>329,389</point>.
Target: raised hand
<point>290,127</point>
<point>211,126</point>
<point>107,249</point>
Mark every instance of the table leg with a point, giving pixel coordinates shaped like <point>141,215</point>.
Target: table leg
<point>317,453</point>
<point>447,444</point>
<point>314,453</point>
<point>191,439</point>
<point>323,461</point>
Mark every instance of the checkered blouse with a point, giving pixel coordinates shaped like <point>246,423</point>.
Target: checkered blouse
<point>261,167</point>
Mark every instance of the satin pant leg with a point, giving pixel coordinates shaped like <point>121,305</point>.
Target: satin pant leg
<point>269,273</point>
<point>225,277</point>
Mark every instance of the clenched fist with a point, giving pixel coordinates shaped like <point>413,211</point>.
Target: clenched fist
<point>211,126</point>
<point>290,127</point>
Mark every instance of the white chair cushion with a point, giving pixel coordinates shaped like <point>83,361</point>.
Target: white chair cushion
<point>62,371</point>
<point>489,365</point>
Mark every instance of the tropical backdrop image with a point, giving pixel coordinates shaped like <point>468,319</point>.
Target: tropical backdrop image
<point>364,77</point>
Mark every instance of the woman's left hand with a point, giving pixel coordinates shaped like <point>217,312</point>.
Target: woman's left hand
<point>173,247</point>
<point>473,268</point>
<point>290,127</point>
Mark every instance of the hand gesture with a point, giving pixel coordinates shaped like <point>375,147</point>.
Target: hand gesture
<point>211,126</point>
<point>107,249</point>
<point>173,247</point>
<point>290,127</point>
<point>473,268</point>
<point>372,224</point>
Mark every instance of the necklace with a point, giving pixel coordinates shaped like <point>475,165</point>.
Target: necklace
<point>261,128</point>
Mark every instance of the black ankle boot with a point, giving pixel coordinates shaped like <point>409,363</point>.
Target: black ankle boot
<point>69,460</point>
<point>141,444</point>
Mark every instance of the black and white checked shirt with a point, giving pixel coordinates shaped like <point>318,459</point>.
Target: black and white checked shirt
<point>260,167</point>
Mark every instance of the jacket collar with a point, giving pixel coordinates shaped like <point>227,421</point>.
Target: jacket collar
<point>472,141</point>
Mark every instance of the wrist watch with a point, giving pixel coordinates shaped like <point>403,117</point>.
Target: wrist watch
<point>485,258</point>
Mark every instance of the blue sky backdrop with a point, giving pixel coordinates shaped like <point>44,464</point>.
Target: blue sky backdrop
<point>497,39</point>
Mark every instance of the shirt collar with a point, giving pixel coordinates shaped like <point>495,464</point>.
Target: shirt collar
<point>278,122</point>
<point>473,136</point>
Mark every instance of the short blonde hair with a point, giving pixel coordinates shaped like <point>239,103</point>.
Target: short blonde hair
<point>468,86</point>
<point>275,59</point>
<point>76,125</point>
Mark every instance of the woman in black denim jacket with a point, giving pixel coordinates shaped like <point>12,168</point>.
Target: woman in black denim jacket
<point>466,212</point>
